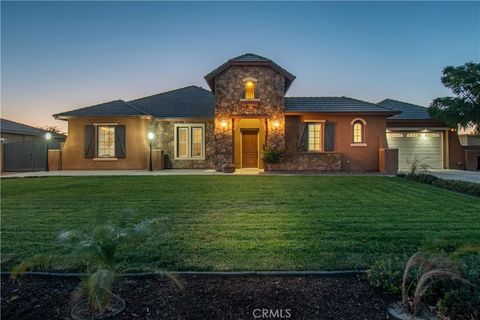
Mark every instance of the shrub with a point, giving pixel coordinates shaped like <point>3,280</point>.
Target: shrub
<point>387,274</point>
<point>417,165</point>
<point>471,188</point>
<point>272,155</point>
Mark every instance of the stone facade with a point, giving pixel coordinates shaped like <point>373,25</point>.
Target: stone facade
<point>310,161</point>
<point>164,131</point>
<point>230,104</point>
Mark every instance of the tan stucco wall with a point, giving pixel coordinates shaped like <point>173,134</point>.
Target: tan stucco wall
<point>354,158</point>
<point>73,152</point>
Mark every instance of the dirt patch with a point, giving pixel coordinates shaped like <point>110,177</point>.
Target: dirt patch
<point>207,298</point>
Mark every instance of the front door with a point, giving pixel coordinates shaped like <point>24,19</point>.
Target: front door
<point>249,148</point>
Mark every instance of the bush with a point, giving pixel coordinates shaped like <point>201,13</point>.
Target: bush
<point>471,188</point>
<point>272,155</point>
<point>454,288</point>
<point>387,274</point>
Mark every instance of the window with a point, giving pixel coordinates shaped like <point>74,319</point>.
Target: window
<point>358,127</point>
<point>190,141</point>
<point>315,136</point>
<point>106,141</point>
<point>249,89</point>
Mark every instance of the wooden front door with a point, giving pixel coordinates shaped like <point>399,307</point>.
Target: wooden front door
<point>249,149</point>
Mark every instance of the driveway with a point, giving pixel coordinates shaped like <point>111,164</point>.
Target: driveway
<point>470,176</point>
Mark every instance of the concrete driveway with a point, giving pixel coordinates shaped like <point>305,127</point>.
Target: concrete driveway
<point>470,176</point>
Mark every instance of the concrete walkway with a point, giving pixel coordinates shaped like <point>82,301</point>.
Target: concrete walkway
<point>462,175</point>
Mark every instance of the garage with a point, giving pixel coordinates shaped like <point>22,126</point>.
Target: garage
<point>427,147</point>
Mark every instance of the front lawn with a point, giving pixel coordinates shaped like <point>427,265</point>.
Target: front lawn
<point>239,222</point>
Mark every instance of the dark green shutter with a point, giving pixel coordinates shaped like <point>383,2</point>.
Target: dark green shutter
<point>89,141</point>
<point>329,136</point>
<point>120,143</point>
<point>302,137</point>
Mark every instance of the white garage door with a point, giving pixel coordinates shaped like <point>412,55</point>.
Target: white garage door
<point>424,146</point>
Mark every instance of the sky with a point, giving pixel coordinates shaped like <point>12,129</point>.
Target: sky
<point>58,56</point>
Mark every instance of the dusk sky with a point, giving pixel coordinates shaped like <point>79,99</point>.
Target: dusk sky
<point>60,56</point>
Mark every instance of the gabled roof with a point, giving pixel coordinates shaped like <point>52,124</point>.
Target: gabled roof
<point>111,108</point>
<point>8,126</point>
<point>408,111</point>
<point>190,101</point>
<point>333,104</point>
<point>249,59</point>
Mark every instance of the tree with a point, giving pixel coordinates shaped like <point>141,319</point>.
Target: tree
<point>52,129</point>
<point>464,109</point>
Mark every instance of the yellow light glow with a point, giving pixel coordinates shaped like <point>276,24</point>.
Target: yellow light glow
<point>249,84</point>
<point>276,124</point>
<point>224,123</point>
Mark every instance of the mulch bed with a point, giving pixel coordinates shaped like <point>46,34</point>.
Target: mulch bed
<point>206,298</point>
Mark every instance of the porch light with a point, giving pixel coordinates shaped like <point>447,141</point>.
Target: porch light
<point>224,123</point>
<point>150,136</point>
<point>48,136</point>
<point>276,124</point>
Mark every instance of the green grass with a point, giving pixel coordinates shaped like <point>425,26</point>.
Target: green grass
<point>240,222</point>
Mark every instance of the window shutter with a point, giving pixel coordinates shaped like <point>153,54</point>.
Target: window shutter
<point>329,136</point>
<point>120,143</point>
<point>89,141</point>
<point>303,137</point>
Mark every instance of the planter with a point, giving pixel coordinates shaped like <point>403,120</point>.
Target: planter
<point>228,168</point>
<point>396,311</point>
<point>113,310</point>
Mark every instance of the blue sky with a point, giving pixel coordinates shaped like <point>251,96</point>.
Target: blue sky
<point>65,55</point>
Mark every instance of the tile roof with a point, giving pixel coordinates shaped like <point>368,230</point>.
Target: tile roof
<point>408,111</point>
<point>249,59</point>
<point>190,101</point>
<point>111,108</point>
<point>332,104</point>
<point>8,126</point>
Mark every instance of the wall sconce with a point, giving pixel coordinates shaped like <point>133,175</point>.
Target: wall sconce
<point>276,124</point>
<point>223,123</point>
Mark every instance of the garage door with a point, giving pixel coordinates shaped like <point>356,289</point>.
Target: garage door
<point>424,146</point>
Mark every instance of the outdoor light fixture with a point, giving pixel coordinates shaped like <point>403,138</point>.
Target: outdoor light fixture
<point>276,124</point>
<point>48,136</point>
<point>224,123</point>
<point>150,136</point>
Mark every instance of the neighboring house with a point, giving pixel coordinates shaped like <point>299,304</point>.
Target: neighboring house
<point>246,111</point>
<point>11,131</point>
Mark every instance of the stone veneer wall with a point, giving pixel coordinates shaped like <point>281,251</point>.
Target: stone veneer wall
<point>164,131</point>
<point>310,161</point>
<point>229,90</point>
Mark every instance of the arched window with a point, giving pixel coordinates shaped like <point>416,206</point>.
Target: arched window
<point>249,87</point>
<point>358,127</point>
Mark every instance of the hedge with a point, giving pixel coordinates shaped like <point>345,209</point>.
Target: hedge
<point>471,188</point>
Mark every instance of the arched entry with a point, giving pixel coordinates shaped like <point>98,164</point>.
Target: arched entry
<point>249,141</point>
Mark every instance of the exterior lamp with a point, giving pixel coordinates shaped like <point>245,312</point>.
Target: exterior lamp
<point>48,136</point>
<point>276,124</point>
<point>224,123</point>
<point>150,136</point>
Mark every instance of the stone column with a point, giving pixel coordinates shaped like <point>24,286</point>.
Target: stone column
<point>223,141</point>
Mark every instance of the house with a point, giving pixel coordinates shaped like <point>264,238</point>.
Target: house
<point>11,131</point>
<point>246,110</point>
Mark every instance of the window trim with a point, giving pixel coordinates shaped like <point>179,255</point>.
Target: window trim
<point>96,125</point>
<point>189,140</point>
<point>361,143</point>
<point>322,137</point>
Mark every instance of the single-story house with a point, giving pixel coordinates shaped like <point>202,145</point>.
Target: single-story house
<point>245,111</point>
<point>11,131</point>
